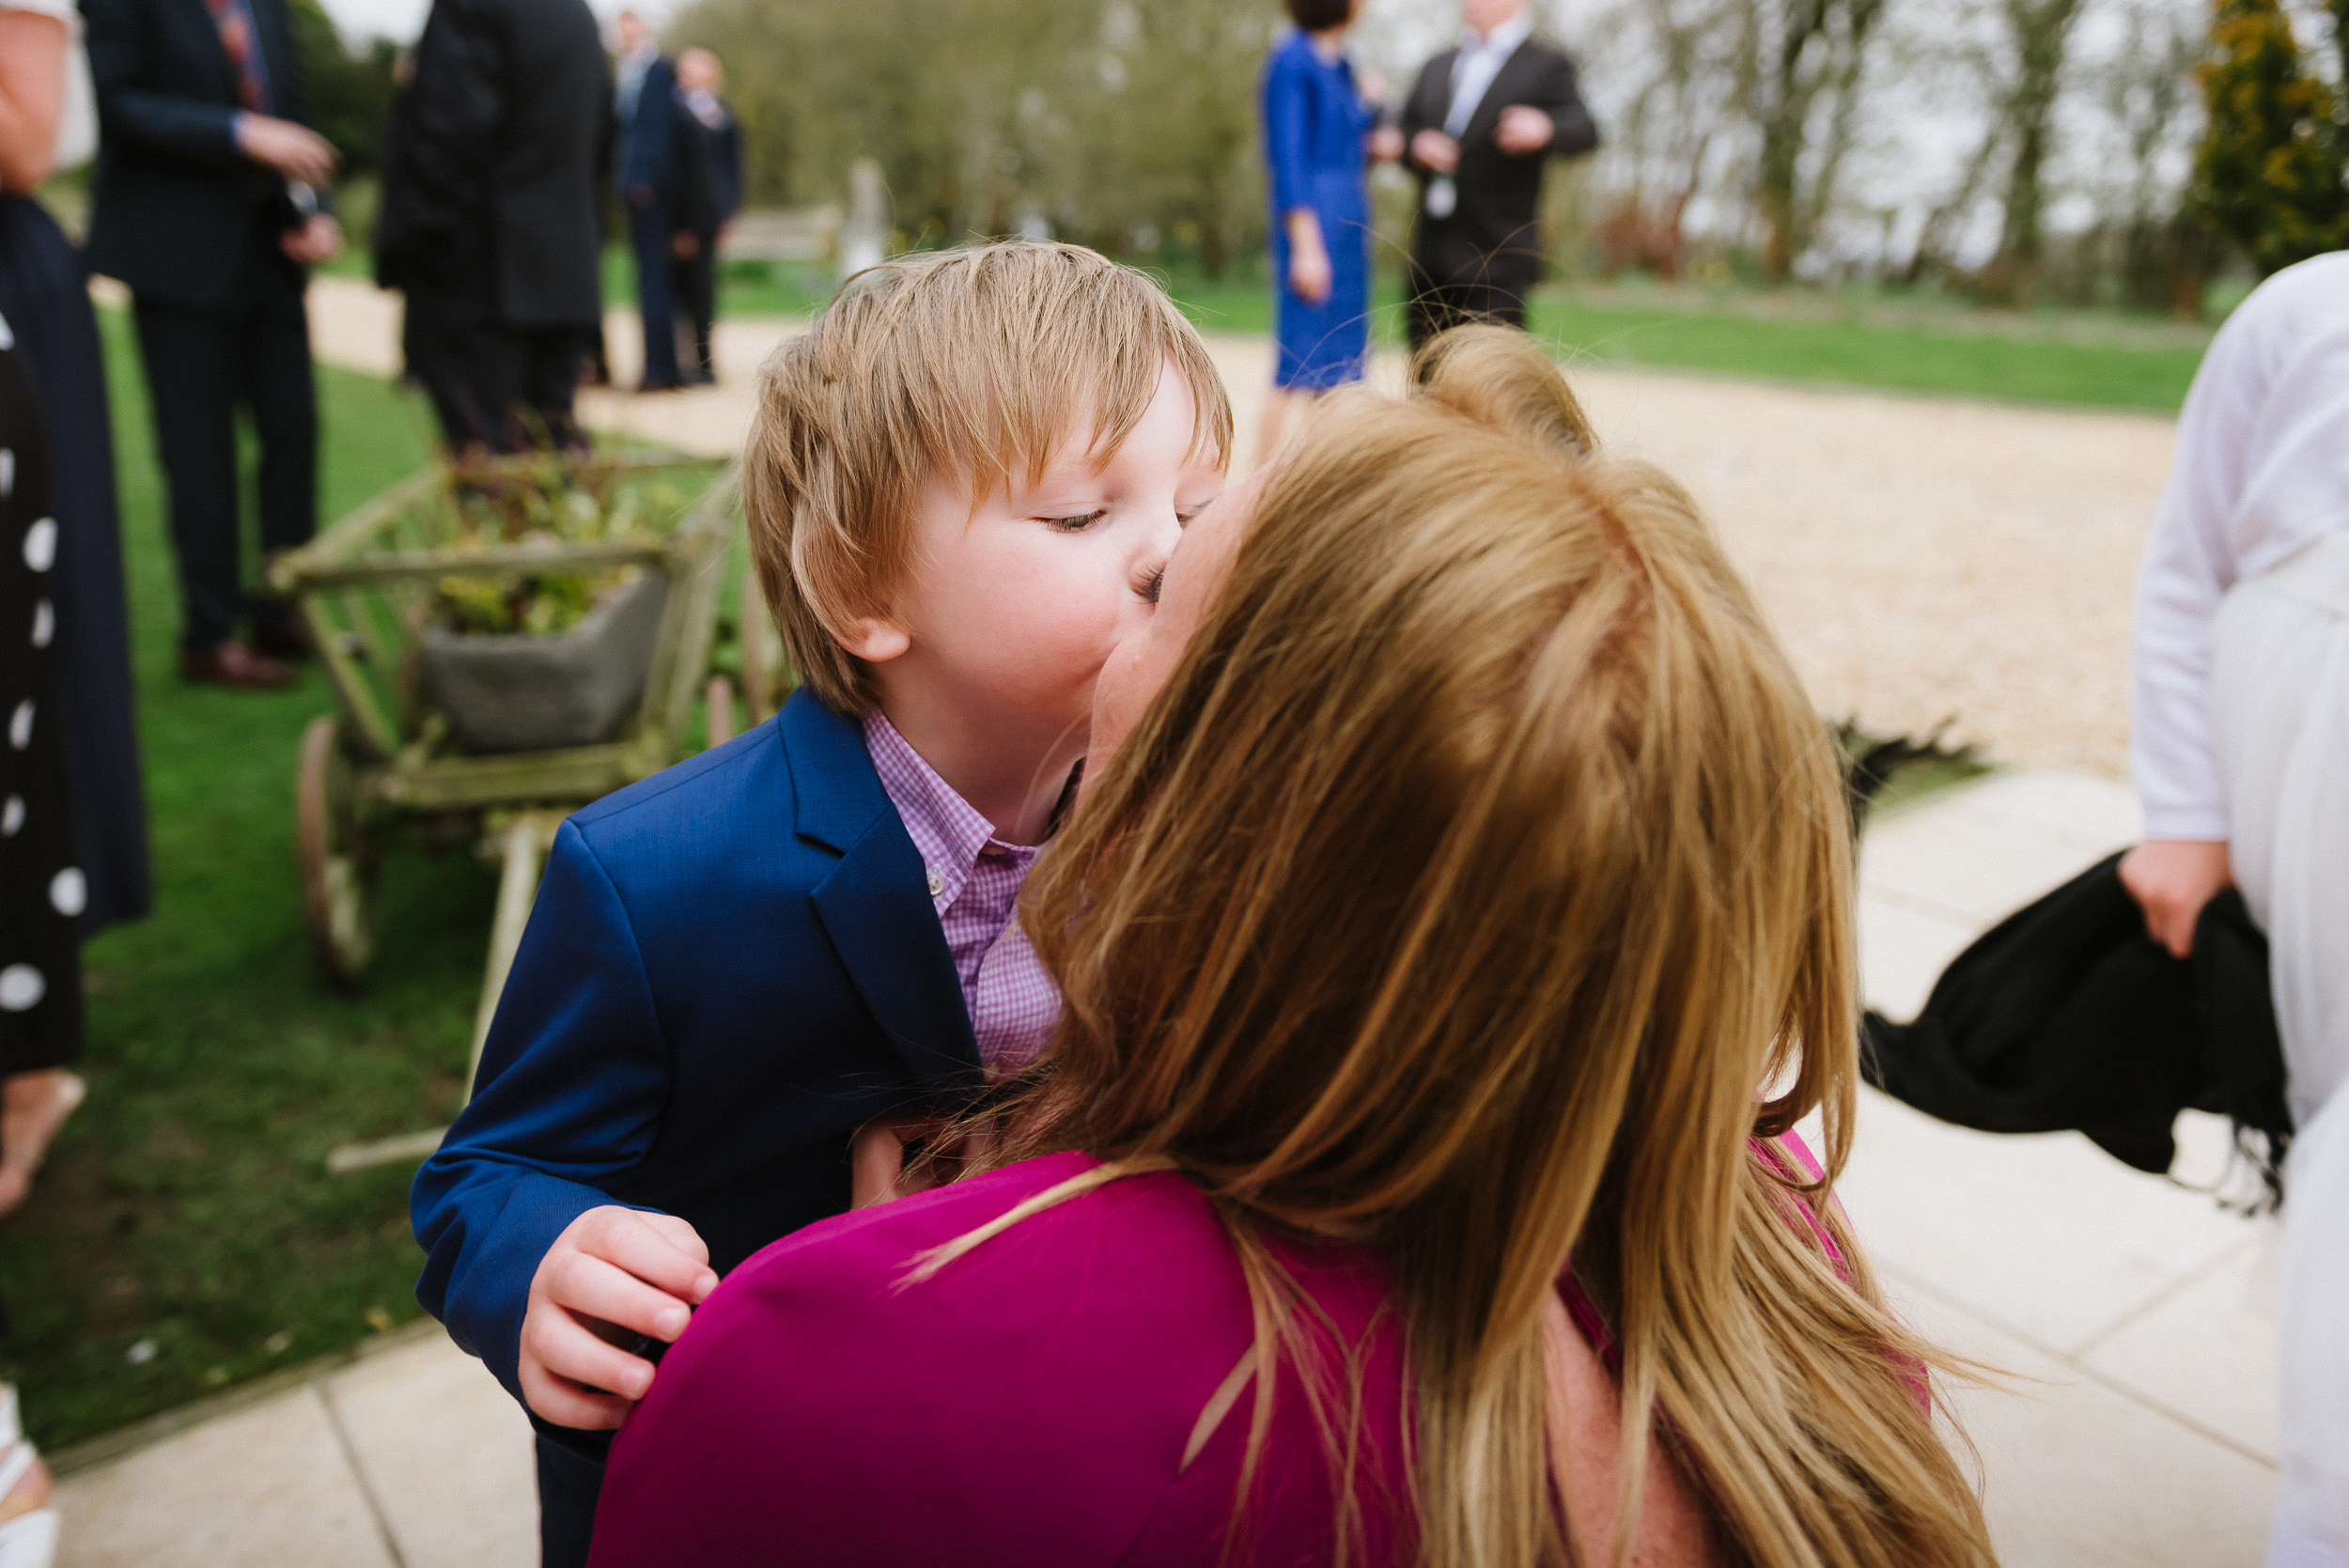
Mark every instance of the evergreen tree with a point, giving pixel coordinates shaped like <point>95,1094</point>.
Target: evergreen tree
<point>2270,175</point>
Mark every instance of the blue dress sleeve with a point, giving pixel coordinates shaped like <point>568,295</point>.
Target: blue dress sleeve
<point>1288,133</point>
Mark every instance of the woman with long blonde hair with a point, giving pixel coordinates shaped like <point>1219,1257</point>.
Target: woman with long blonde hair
<point>1399,1187</point>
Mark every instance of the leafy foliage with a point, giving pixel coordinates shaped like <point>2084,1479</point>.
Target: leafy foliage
<point>349,94</point>
<point>1120,125</point>
<point>2270,174</point>
<point>550,501</point>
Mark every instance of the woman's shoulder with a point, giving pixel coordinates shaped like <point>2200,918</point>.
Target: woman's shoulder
<point>1038,1389</point>
<point>1292,53</point>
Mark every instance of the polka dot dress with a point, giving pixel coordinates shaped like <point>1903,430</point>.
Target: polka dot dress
<point>42,891</point>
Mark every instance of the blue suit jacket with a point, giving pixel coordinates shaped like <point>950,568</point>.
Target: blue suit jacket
<point>644,133</point>
<point>729,969</point>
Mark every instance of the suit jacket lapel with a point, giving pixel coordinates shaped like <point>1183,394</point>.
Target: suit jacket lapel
<point>229,82</point>
<point>1435,82</point>
<point>876,904</point>
<point>1497,97</point>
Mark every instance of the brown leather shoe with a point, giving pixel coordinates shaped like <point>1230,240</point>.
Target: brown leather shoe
<point>286,642</point>
<point>233,664</point>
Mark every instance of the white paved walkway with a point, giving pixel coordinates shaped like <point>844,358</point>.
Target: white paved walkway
<point>2137,1316</point>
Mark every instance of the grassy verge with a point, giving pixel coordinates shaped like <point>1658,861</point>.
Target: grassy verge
<point>2074,359</point>
<point>186,1208</point>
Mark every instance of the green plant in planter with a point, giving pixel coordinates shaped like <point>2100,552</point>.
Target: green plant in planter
<point>551,499</point>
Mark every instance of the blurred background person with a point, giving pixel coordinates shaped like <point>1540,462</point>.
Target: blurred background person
<point>48,122</point>
<point>1479,129</point>
<point>1319,123</point>
<point>43,891</point>
<point>2240,744</point>
<point>492,216</point>
<point>709,184</point>
<point>644,100</point>
<point>210,203</point>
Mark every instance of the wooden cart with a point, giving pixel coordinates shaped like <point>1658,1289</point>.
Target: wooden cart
<point>384,768</point>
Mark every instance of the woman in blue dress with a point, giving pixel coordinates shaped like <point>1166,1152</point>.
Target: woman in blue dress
<point>1317,141</point>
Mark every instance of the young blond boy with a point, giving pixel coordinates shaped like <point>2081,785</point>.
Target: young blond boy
<point>961,489</point>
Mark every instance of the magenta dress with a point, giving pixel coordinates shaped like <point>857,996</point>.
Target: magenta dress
<point>1029,1404</point>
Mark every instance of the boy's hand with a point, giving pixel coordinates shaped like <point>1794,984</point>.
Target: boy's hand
<point>613,1273</point>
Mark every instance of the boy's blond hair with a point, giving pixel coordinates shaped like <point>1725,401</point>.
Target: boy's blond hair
<point>978,362</point>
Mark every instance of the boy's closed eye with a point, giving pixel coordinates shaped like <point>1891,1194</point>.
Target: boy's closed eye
<point>1077,523</point>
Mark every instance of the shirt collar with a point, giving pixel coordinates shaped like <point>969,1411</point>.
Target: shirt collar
<point>948,830</point>
<point>1503,40</point>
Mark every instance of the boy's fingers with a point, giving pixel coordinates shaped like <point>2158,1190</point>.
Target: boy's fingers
<point>555,1399</point>
<point>679,1234</point>
<point>630,1241</point>
<point>559,1346</point>
<point>593,1288</point>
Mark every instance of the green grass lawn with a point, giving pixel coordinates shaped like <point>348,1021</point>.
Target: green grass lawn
<point>186,1204</point>
<point>2025,362</point>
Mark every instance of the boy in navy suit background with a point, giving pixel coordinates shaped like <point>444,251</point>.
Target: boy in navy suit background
<point>961,489</point>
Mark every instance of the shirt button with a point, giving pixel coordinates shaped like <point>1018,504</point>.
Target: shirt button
<point>938,882</point>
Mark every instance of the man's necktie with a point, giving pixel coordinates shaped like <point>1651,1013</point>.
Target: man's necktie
<point>235,22</point>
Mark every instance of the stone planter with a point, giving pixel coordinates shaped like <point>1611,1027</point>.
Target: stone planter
<point>526,693</point>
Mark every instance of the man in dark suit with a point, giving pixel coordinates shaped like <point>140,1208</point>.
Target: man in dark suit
<point>645,100</point>
<point>1479,129</point>
<point>492,215</point>
<point>210,204</point>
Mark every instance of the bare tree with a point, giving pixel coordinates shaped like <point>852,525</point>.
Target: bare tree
<point>1811,55</point>
<point>2039,31</point>
<point>1692,57</point>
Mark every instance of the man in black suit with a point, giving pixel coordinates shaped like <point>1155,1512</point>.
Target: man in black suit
<point>1482,123</point>
<point>210,204</point>
<point>492,215</point>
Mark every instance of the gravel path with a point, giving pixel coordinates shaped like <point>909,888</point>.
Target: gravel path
<point>1925,559</point>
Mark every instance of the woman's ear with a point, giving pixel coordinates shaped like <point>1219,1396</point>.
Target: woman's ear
<point>876,641</point>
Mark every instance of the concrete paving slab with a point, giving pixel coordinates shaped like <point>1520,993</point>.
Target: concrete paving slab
<point>2208,1350</point>
<point>1903,950</point>
<point>2080,1476</point>
<point>447,1454</point>
<point>262,1488</point>
<point>1964,867</point>
<point>2045,1235</point>
<point>2098,815</point>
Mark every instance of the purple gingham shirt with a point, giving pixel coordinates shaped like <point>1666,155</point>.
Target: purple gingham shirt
<point>974,881</point>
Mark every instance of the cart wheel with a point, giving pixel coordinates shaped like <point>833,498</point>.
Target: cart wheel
<point>338,865</point>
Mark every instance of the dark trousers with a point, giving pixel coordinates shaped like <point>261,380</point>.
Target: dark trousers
<point>568,1485</point>
<point>202,365</point>
<point>496,387</point>
<point>649,236</point>
<point>695,286</point>
<point>1438,302</point>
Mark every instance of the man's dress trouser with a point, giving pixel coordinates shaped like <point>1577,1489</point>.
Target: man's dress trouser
<point>252,350</point>
<point>648,235</point>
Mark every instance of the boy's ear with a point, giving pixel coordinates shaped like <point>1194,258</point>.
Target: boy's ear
<point>875,639</point>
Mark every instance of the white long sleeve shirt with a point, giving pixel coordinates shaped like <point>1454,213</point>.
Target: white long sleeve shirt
<point>1479,61</point>
<point>2262,472</point>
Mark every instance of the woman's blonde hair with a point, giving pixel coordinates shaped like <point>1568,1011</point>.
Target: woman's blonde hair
<point>977,364</point>
<point>1478,864</point>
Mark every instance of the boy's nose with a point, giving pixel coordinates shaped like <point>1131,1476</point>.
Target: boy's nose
<point>1150,560</point>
